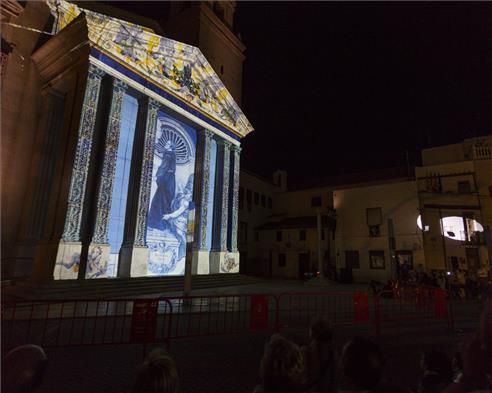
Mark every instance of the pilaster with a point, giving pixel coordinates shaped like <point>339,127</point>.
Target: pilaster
<point>219,241</point>
<point>70,246</point>
<point>105,189</point>
<point>135,253</point>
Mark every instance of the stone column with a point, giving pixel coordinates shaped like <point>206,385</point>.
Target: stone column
<point>200,264</point>
<point>70,245</point>
<point>105,189</point>
<point>218,253</point>
<point>235,197</point>
<point>135,253</point>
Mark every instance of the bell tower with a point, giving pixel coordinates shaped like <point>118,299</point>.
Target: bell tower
<point>209,25</point>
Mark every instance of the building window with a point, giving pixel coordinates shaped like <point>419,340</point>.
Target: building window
<point>257,236</point>
<point>302,235</point>
<point>279,236</point>
<point>404,259</point>
<point>249,199</point>
<point>352,259</point>
<point>282,260</point>
<point>374,231</point>
<point>257,198</point>
<point>316,201</point>
<point>464,187</point>
<point>263,200</point>
<point>270,205</point>
<point>374,216</point>
<point>241,198</point>
<point>376,260</point>
<point>243,232</point>
<point>322,234</point>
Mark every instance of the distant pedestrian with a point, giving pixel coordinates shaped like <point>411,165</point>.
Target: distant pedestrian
<point>23,369</point>
<point>281,368</point>
<point>157,374</point>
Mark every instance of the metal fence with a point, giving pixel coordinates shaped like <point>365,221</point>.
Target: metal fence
<point>60,323</point>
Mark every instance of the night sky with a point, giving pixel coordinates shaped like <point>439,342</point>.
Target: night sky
<point>334,88</point>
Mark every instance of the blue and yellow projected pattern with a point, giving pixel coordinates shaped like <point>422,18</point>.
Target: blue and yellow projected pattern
<point>177,67</point>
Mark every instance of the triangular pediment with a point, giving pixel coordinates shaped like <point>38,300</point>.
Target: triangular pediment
<point>176,67</point>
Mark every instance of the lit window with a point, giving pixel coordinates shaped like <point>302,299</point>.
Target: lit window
<point>376,259</point>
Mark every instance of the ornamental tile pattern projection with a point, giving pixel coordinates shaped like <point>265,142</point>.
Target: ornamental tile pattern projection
<point>236,150</point>
<point>179,68</point>
<point>80,170</point>
<point>109,163</point>
<point>146,178</point>
<point>226,146</point>
<point>203,186</point>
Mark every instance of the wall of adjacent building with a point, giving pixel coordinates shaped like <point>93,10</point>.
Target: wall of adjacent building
<point>399,202</point>
<point>252,214</point>
<point>469,161</point>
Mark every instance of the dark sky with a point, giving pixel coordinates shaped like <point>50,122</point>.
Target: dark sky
<point>333,88</point>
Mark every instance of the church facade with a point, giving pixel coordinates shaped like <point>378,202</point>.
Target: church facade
<point>138,155</point>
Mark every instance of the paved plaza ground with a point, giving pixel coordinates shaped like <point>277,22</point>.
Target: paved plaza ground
<point>230,363</point>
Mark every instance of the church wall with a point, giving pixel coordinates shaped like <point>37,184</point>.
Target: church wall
<point>20,116</point>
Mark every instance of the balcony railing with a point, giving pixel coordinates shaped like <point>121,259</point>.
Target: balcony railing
<point>482,153</point>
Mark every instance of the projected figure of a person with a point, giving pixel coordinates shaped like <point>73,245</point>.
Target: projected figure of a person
<point>166,188</point>
<point>178,219</point>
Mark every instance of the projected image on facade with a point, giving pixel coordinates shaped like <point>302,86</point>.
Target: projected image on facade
<point>171,196</point>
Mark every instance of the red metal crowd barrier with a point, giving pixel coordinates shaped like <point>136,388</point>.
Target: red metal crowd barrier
<point>58,323</point>
<point>407,307</point>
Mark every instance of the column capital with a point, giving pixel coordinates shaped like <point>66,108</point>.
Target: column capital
<point>236,149</point>
<point>119,86</point>
<point>153,105</point>
<point>95,72</point>
<point>222,142</point>
<point>206,133</point>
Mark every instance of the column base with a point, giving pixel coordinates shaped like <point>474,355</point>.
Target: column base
<point>67,259</point>
<point>224,262</point>
<point>133,261</point>
<point>97,260</point>
<point>200,262</point>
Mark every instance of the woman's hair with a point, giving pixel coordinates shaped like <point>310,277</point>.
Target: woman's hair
<point>282,366</point>
<point>321,329</point>
<point>157,374</point>
<point>23,369</point>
